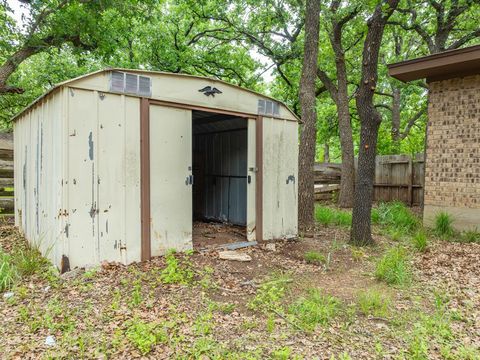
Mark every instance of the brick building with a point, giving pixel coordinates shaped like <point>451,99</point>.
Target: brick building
<point>452,167</point>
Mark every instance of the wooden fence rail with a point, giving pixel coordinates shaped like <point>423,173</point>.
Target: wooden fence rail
<point>397,177</point>
<point>6,174</point>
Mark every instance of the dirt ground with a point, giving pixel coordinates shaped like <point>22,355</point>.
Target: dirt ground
<point>89,313</point>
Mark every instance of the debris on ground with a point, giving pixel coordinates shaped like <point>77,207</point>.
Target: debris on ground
<point>234,256</point>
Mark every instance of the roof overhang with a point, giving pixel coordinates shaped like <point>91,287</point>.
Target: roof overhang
<point>442,66</point>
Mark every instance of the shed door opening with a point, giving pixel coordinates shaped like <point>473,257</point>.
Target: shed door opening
<point>221,178</point>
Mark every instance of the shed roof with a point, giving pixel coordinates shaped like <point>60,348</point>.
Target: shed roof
<point>441,66</point>
<point>67,82</point>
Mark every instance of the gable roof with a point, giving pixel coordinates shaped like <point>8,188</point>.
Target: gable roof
<point>441,66</point>
<point>152,72</point>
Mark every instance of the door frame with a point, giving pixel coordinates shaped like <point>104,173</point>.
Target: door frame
<point>145,208</point>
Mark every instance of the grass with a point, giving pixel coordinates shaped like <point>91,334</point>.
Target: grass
<point>315,309</point>
<point>470,236</point>
<point>393,267</point>
<point>331,216</point>
<point>314,257</point>
<point>373,302</point>
<point>8,272</point>
<point>396,216</point>
<point>29,261</point>
<point>444,225</point>
<point>270,293</point>
<point>419,241</point>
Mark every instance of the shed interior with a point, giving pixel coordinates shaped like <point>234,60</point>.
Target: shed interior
<point>220,175</point>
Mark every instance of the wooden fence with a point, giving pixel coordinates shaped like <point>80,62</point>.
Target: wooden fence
<point>6,175</point>
<point>397,177</point>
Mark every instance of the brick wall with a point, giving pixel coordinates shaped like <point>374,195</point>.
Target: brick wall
<point>452,172</point>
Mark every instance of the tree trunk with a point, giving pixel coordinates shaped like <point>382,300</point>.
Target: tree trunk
<point>9,67</point>
<point>308,135</point>
<point>345,199</point>
<point>326,153</point>
<point>370,120</point>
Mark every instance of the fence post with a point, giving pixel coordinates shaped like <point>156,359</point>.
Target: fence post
<point>410,180</point>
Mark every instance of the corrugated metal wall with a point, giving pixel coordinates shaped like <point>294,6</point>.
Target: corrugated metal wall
<point>220,171</point>
<point>38,147</point>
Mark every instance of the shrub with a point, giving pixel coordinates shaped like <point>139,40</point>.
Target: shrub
<point>419,241</point>
<point>393,267</point>
<point>331,216</point>
<point>396,216</point>
<point>443,225</point>
<point>8,272</point>
<point>372,302</point>
<point>315,309</point>
<point>314,257</point>
<point>145,335</point>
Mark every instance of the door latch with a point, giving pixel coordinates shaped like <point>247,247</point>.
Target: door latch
<point>249,179</point>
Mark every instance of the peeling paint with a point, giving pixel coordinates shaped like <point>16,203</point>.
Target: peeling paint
<point>90,146</point>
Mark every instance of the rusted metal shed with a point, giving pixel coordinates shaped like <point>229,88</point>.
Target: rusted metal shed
<point>452,164</point>
<point>115,165</point>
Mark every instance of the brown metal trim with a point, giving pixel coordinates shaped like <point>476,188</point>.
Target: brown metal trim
<point>212,110</point>
<point>145,178</point>
<point>259,178</point>
<point>441,66</point>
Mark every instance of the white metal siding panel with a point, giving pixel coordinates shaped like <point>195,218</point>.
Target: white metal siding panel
<point>82,231</point>
<point>111,176</point>
<point>132,179</point>
<point>280,169</point>
<point>170,168</point>
<point>38,175</point>
<point>251,187</point>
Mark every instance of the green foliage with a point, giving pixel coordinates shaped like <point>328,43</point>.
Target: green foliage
<point>419,241</point>
<point>8,272</point>
<point>144,336</point>
<point>470,236</point>
<point>29,261</point>
<point>315,309</point>
<point>282,353</point>
<point>396,216</point>
<point>332,216</point>
<point>394,267</point>
<point>373,302</point>
<point>176,271</point>
<point>314,257</point>
<point>443,225</point>
<point>270,293</point>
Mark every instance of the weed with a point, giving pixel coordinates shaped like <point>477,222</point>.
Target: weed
<point>314,257</point>
<point>372,302</point>
<point>249,324</point>
<point>470,236</point>
<point>443,225</point>
<point>331,216</point>
<point>270,323</point>
<point>315,309</point>
<point>396,216</point>
<point>419,241</point>
<point>136,296</point>
<point>8,272</point>
<point>227,308</point>
<point>282,353</point>
<point>203,324</point>
<point>357,253</point>
<point>176,272</point>
<point>270,293</point>
<point>393,267</point>
<point>144,336</point>
<point>117,295</point>
<point>29,260</point>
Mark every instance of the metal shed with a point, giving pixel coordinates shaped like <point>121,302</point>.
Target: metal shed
<point>116,164</point>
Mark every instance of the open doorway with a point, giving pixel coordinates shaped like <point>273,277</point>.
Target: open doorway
<point>219,156</point>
